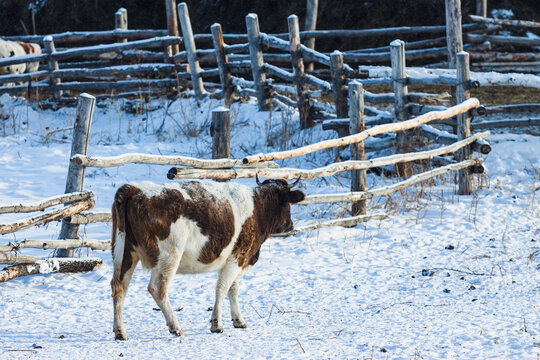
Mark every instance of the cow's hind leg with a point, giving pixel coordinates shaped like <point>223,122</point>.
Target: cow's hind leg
<point>236,314</point>
<point>227,276</point>
<point>119,286</point>
<point>162,275</point>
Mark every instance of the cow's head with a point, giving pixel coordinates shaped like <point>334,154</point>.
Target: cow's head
<point>277,197</point>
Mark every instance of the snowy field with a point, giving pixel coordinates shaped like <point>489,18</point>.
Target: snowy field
<point>444,277</point>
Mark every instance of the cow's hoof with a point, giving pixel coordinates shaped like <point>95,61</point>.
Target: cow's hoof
<point>176,333</point>
<point>120,336</point>
<point>239,324</point>
<point>217,330</point>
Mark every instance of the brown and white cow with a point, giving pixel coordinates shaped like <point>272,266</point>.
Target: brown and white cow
<point>194,227</point>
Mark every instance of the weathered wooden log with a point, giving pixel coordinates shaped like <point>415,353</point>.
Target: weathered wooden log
<point>49,216</point>
<point>444,137</point>
<point>257,62</point>
<point>53,244</point>
<point>315,81</point>
<point>63,265</point>
<point>90,217</point>
<point>308,174</point>
<point>503,40</point>
<point>358,152</point>
<point>481,8</point>
<point>280,73</point>
<point>454,37</point>
<point>419,109</point>
<point>511,23</point>
<point>392,31</point>
<point>380,129</point>
<point>274,42</point>
<point>121,21</point>
<point>52,64</point>
<point>222,62</point>
<point>517,67</point>
<point>189,43</point>
<point>172,22</point>
<point>90,36</point>
<point>136,158</point>
<point>285,100</point>
<point>344,222</point>
<point>339,89</point>
<point>512,108</point>
<point>431,80</point>
<point>399,76</point>
<point>220,130</point>
<point>355,196</point>
<point>504,56</point>
<point>311,24</point>
<point>463,120</point>
<point>17,259</point>
<point>340,123</point>
<point>506,123</point>
<point>75,176</point>
<point>300,78</point>
<point>237,49</point>
<point>45,203</point>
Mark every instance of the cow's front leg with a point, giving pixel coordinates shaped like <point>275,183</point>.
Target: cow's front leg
<point>226,278</point>
<point>237,318</point>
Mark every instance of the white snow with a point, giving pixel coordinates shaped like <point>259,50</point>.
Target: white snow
<point>445,276</point>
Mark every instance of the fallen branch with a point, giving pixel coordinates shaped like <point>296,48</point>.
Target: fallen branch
<point>345,222</point>
<point>380,129</point>
<point>48,216</point>
<point>54,244</point>
<point>360,195</point>
<point>134,158</point>
<point>63,265</point>
<point>54,200</point>
<point>308,174</point>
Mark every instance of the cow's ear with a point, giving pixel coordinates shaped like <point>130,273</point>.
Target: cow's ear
<point>295,196</point>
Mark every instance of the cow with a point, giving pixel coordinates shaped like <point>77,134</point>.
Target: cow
<point>194,227</point>
<point>17,48</point>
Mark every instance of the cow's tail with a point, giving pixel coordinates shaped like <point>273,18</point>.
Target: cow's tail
<point>121,242</point>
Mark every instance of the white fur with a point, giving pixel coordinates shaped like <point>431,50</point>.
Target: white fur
<point>119,244</point>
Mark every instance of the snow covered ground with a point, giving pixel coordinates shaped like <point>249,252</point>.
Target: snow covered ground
<point>444,276</point>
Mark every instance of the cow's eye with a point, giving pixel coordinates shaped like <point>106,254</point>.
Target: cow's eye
<point>12,53</point>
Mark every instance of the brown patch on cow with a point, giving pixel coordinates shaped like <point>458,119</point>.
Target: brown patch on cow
<point>147,220</point>
<point>28,48</point>
<point>271,215</point>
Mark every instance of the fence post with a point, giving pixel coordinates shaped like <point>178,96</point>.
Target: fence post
<point>121,21</point>
<point>189,43</point>
<point>311,24</point>
<point>220,130</point>
<point>356,125</point>
<point>302,97</point>
<point>454,38</point>
<point>172,23</point>
<point>48,43</point>
<point>338,83</point>
<point>399,76</point>
<point>75,176</point>
<point>257,62</point>
<point>463,120</point>
<point>481,8</point>
<point>222,62</point>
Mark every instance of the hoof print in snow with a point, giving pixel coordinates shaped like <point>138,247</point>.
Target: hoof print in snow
<point>449,247</point>
<point>472,287</point>
<point>426,272</point>
<point>446,291</point>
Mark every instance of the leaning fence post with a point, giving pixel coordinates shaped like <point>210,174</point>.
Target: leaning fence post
<point>338,83</point>
<point>121,21</point>
<point>222,62</point>
<point>189,43</point>
<point>302,98</point>
<point>172,23</point>
<point>463,120</point>
<point>399,77</point>
<point>311,24</point>
<point>220,130</point>
<point>454,38</point>
<point>75,176</point>
<point>257,62</point>
<point>356,125</point>
<point>48,43</point>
